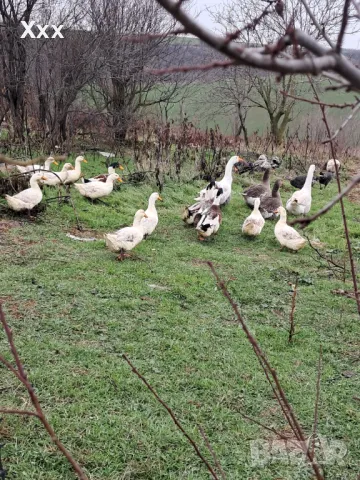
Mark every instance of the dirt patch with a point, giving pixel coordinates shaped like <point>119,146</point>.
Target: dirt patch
<point>86,233</point>
<point>17,309</point>
<point>6,225</point>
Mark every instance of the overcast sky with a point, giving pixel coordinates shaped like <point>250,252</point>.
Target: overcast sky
<point>200,6</point>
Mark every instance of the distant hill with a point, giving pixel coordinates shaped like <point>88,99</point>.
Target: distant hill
<point>192,51</point>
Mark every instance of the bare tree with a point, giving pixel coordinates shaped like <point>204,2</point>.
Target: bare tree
<point>13,59</point>
<point>233,95</point>
<point>123,86</point>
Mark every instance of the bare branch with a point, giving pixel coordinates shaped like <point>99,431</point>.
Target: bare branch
<point>213,454</point>
<point>303,222</point>
<point>293,304</point>
<point>343,125</point>
<point>172,415</point>
<point>272,378</point>
<point>317,401</point>
<point>316,23</point>
<point>21,375</point>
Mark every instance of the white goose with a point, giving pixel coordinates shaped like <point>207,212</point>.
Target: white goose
<point>37,168</point>
<point>254,223</point>
<point>300,202</point>
<point>126,238</point>
<point>94,190</point>
<point>53,179</point>
<point>29,198</point>
<point>151,220</point>
<point>74,175</point>
<point>226,182</point>
<point>287,236</point>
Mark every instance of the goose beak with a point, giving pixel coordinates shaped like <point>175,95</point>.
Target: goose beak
<point>43,178</point>
<point>159,198</point>
<point>71,168</point>
<point>85,160</point>
<point>55,162</point>
<point>120,180</point>
<point>121,167</point>
<point>145,216</point>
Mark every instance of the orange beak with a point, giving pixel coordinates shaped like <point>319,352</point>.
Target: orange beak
<point>43,178</point>
<point>85,160</point>
<point>55,162</point>
<point>159,198</point>
<point>121,167</point>
<point>120,180</point>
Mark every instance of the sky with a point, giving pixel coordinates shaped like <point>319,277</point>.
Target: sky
<point>200,7</point>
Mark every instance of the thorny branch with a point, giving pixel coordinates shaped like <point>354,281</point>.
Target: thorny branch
<point>39,413</point>
<point>342,206</point>
<point>213,454</point>
<point>292,312</point>
<point>305,221</point>
<point>267,58</point>
<point>273,380</point>
<point>173,416</point>
<point>317,400</point>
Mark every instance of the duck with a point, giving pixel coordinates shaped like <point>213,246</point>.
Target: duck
<point>149,223</point>
<point>262,163</point>
<point>57,178</point>
<point>192,214</point>
<point>94,190</point>
<point>254,223</point>
<point>125,239</point>
<point>329,166</point>
<point>37,168</point>
<point>211,219</point>
<point>300,202</point>
<point>299,181</point>
<point>258,191</point>
<point>74,175</point>
<point>287,236</point>
<point>269,205</point>
<point>29,198</point>
<point>102,177</point>
<point>325,178</point>
<point>225,184</point>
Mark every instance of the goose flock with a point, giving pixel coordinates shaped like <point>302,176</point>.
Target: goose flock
<point>205,215</point>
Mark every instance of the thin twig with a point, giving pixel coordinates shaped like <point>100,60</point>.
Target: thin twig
<point>293,304</point>
<point>191,68</point>
<point>172,415</point>
<point>305,221</point>
<point>272,378</point>
<point>321,30</point>
<point>342,206</point>
<point>21,375</point>
<point>314,102</point>
<point>317,400</point>
<point>324,257</point>
<point>213,454</point>
<point>343,125</point>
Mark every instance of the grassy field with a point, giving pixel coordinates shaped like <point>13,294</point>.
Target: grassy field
<point>207,115</point>
<point>74,310</point>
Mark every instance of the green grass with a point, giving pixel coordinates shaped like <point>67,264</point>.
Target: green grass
<point>74,310</point>
<point>204,115</point>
